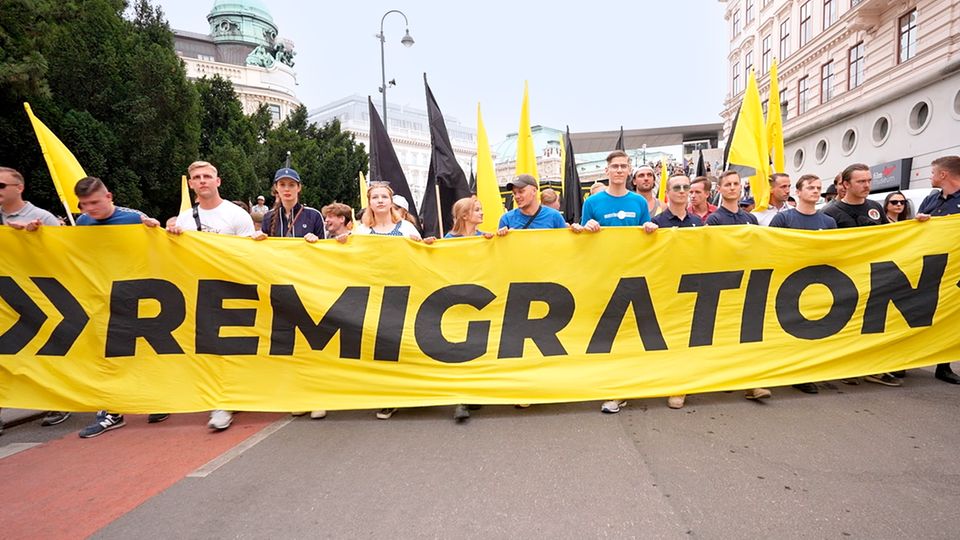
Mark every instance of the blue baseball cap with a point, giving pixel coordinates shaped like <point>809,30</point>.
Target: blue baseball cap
<point>286,172</point>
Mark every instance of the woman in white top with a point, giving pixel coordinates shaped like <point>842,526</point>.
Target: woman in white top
<point>382,217</point>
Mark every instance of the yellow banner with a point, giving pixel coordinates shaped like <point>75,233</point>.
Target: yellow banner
<point>135,320</point>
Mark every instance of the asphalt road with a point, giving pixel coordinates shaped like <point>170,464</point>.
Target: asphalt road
<point>864,462</point>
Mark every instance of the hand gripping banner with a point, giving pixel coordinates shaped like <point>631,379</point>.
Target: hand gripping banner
<point>132,319</point>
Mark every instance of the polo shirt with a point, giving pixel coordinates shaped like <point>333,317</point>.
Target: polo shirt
<point>710,209</point>
<point>28,213</point>
<point>668,219</point>
<point>936,204</point>
<point>725,217</point>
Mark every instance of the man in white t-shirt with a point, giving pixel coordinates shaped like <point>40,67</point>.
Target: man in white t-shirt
<point>212,214</point>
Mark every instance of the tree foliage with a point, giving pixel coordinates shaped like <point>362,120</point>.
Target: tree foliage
<point>114,91</point>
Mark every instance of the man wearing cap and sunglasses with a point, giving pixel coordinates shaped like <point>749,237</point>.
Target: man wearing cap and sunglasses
<point>212,214</point>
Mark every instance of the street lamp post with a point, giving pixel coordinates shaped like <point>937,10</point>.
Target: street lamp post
<point>407,41</point>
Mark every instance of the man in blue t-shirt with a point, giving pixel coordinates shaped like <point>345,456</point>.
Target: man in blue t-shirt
<point>615,207</point>
<point>529,213</point>
<point>805,216</point>
<point>96,202</point>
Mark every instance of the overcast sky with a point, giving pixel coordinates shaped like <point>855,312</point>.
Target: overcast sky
<point>592,65</point>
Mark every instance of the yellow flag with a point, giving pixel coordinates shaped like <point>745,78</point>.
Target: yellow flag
<point>185,203</point>
<point>775,122</point>
<point>664,176</point>
<point>748,148</point>
<point>488,192</point>
<point>64,168</point>
<point>363,191</point>
<point>526,154</point>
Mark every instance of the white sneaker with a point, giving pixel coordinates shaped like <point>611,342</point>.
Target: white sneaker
<point>676,402</point>
<point>612,407</point>
<point>220,420</point>
<point>298,413</point>
<point>385,414</point>
<point>316,415</point>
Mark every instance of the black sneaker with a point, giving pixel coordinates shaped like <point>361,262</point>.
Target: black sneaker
<point>899,374</point>
<point>53,418</point>
<point>105,422</point>
<point>157,417</point>
<point>807,388</point>
<point>1,427</point>
<point>945,374</point>
<point>461,413</point>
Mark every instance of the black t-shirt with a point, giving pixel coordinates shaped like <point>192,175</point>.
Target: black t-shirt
<point>793,219</point>
<point>856,215</point>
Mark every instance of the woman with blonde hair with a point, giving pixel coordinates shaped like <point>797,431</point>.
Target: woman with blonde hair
<point>382,217</point>
<point>467,216</point>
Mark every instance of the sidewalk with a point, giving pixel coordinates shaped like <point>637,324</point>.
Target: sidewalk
<point>12,417</point>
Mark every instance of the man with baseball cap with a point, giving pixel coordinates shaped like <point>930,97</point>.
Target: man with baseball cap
<point>529,213</point>
<point>259,210</point>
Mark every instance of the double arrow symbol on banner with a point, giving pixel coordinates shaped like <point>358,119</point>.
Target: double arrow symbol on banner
<point>32,317</point>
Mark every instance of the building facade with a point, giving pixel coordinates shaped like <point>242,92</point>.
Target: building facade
<point>243,47</point>
<point>409,132</point>
<point>861,81</point>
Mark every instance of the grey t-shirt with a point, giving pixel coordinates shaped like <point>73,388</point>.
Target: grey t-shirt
<point>29,213</point>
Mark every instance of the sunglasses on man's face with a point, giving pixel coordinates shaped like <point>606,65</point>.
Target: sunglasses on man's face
<point>680,187</point>
<point>3,185</point>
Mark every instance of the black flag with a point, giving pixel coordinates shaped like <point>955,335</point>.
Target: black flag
<point>444,172</point>
<point>572,199</point>
<point>701,167</point>
<point>620,141</point>
<point>726,150</point>
<point>384,165</point>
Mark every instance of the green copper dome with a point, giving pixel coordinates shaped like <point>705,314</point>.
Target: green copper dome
<point>242,21</point>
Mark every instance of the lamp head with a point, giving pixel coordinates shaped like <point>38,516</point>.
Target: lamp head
<point>407,40</point>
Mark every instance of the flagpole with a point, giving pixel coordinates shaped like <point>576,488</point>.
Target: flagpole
<point>66,208</point>
<point>439,211</point>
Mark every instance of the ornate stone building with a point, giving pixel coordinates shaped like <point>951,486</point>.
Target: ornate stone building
<point>243,47</point>
<point>871,81</point>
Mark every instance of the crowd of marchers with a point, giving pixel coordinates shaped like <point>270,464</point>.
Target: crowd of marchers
<point>627,200</point>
